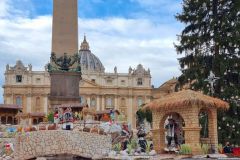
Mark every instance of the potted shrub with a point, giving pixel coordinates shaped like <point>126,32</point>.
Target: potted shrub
<point>185,149</point>
<point>134,143</point>
<point>205,148</point>
<point>148,147</point>
<point>129,149</point>
<point>117,147</point>
<point>50,117</point>
<point>220,148</point>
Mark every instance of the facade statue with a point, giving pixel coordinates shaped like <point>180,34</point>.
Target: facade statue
<point>7,67</point>
<point>46,67</point>
<point>148,71</point>
<point>30,67</point>
<point>115,70</point>
<point>130,70</point>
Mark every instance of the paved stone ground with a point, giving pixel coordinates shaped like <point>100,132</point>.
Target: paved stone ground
<point>62,157</point>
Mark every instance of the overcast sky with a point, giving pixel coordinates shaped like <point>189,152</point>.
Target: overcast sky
<point>121,33</point>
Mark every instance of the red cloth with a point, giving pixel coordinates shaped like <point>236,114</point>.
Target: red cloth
<point>236,151</point>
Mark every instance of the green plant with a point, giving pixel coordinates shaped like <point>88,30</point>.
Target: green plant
<point>129,148</point>
<point>144,114</point>
<point>185,149</point>
<point>140,115</point>
<point>205,148</point>
<point>148,147</point>
<point>11,134</point>
<point>148,115</point>
<point>134,143</point>
<point>220,148</point>
<point>117,147</point>
<point>50,117</point>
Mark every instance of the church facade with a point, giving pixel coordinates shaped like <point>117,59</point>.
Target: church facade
<point>125,92</point>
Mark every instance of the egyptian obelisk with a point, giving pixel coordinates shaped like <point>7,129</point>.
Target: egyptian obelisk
<point>63,68</point>
<point>65,27</point>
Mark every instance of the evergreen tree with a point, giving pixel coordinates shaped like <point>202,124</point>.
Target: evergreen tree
<point>210,41</point>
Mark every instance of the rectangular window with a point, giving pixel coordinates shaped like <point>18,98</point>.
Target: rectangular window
<point>139,101</point>
<point>122,82</point>
<point>109,81</point>
<point>93,80</point>
<point>38,80</point>
<point>139,81</point>
<point>109,102</point>
<point>18,78</point>
<point>93,102</point>
<point>19,101</point>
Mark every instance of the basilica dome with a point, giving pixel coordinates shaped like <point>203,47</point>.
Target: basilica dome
<point>88,61</point>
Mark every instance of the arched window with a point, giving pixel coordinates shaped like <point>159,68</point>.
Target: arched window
<point>93,102</point>
<point>139,101</point>
<point>18,78</point>
<point>19,100</point>
<point>10,120</point>
<point>3,120</point>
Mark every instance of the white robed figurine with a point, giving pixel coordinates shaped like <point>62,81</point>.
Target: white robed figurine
<point>172,140</point>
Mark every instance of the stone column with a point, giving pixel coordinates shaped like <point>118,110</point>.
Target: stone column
<point>89,101</point>
<point>212,128</point>
<point>116,102</point>
<point>29,104</point>
<point>98,103</point>
<point>134,110</point>
<point>130,110</point>
<point>12,100</point>
<point>45,104</point>
<point>103,102</point>
<point>12,119</point>
<point>192,138</point>
<point>158,140</point>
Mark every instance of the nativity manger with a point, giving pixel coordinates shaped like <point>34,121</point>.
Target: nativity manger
<point>184,108</point>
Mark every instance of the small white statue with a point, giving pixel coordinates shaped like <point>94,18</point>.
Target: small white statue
<point>30,67</point>
<point>115,70</point>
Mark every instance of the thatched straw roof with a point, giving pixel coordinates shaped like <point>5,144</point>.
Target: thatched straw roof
<point>186,98</point>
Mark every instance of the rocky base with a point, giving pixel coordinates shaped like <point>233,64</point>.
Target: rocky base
<point>7,157</point>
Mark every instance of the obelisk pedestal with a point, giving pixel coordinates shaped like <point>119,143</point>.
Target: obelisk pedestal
<point>63,68</point>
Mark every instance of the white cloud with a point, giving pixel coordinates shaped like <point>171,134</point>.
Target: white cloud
<point>116,41</point>
<point>4,7</point>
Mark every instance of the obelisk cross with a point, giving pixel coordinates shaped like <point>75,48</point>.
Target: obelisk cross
<point>211,79</point>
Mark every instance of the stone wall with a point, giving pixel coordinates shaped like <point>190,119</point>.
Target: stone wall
<point>42,143</point>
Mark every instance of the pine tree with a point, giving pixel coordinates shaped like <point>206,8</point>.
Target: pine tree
<point>210,41</point>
